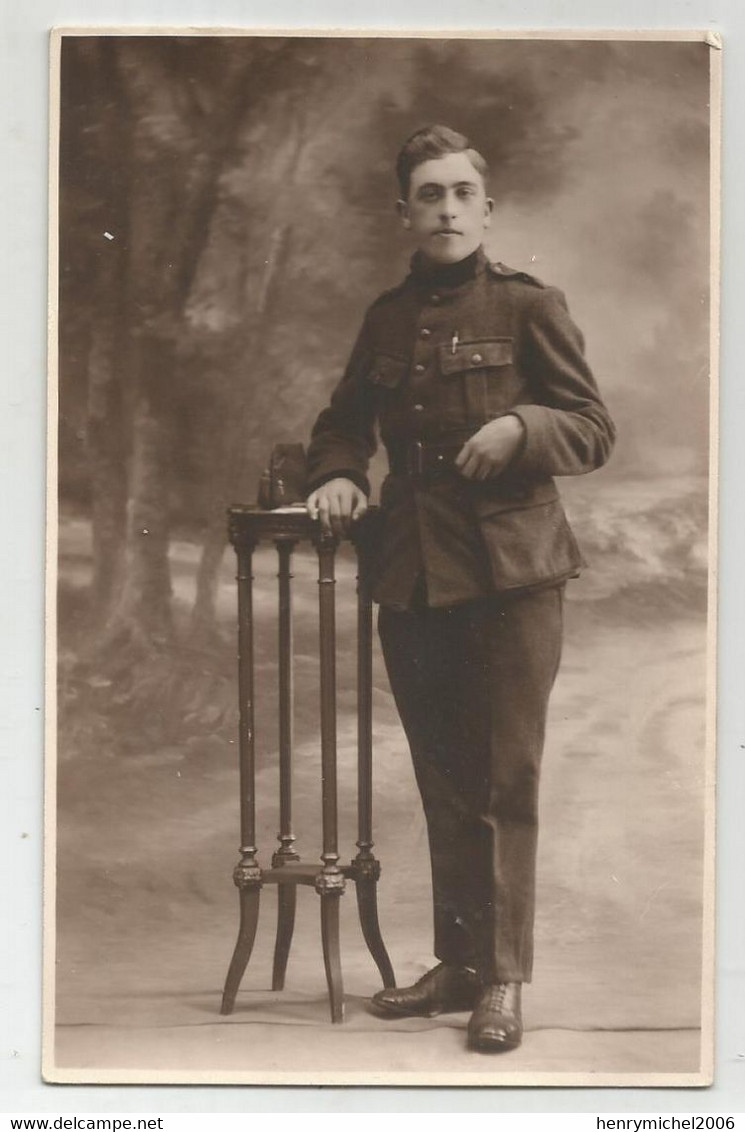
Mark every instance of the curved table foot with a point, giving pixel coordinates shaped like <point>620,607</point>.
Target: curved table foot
<point>332,954</point>
<point>286,901</point>
<point>367,904</point>
<point>249,898</point>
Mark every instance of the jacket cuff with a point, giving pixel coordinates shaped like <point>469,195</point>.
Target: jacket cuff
<point>530,458</point>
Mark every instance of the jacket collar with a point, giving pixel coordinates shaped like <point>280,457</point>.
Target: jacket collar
<point>448,274</point>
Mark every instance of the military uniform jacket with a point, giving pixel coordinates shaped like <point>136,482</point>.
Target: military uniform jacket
<point>436,358</point>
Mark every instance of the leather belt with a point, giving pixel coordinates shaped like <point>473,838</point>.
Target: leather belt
<point>422,459</point>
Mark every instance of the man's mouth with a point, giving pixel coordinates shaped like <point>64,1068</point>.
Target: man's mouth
<point>447,232</point>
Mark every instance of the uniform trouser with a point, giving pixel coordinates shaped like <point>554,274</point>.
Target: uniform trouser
<point>472,684</point>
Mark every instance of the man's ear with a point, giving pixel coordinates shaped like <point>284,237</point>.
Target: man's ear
<point>488,211</point>
<point>402,209</point>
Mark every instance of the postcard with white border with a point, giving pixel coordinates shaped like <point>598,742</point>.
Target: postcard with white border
<point>382,557</point>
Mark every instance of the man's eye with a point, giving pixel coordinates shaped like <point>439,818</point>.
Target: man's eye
<point>430,194</point>
<point>465,191</point>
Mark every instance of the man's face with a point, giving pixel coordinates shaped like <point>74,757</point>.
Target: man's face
<point>447,209</point>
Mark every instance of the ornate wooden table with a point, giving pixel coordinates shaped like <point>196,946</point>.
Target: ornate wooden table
<point>248,526</point>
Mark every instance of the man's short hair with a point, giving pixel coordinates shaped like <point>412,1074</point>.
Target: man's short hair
<point>430,143</point>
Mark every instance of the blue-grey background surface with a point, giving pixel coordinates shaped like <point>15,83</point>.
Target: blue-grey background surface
<point>24,274</point>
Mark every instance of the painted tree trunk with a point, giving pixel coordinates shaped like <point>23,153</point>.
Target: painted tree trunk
<point>106,445</point>
<point>143,610</point>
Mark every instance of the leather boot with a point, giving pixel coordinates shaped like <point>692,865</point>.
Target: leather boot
<point>442,990</point>
<point>496,1024</point>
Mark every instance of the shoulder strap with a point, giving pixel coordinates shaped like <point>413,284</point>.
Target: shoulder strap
<point>502,271</point>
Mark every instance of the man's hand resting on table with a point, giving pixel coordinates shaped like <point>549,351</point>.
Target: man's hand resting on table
<point>337,503</point>
<point>489,451</point>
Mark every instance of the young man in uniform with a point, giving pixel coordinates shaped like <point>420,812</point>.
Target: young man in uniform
<point>476,377</point>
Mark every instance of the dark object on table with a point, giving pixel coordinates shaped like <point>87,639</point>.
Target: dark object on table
<point>284,479</point>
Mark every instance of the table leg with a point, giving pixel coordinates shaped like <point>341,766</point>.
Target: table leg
<point>247,874</point>
<point>287,894</point>
<point>330,881</point>
<point>367,905</point>
<point>249,898</point>
<point>286,838</point>
<point>367,868</point>
<point>286,900</point>
<point>332,953</point>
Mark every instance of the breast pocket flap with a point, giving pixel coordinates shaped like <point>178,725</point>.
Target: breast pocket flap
<point>483,353</point>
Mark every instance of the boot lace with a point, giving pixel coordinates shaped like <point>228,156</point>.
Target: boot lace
<point>494,997</point>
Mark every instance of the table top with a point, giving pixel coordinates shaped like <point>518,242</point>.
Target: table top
<point>249,525</point>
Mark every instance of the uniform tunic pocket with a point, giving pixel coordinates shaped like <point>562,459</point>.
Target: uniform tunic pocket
<point>481,371</point>
<point>529,545</point>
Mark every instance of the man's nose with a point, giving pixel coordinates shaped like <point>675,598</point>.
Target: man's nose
<point>449,206</point>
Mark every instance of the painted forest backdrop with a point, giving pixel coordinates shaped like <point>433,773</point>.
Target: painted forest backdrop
<point>226,213</point>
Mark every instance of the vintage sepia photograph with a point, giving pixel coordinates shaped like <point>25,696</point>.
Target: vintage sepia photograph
<point>382,559</point>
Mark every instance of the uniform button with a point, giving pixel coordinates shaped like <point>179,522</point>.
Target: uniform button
<point>418,408</point>
<point>424,333</point>
<point>476,358</point>
<point>434,298</point>
<point>419,368</point>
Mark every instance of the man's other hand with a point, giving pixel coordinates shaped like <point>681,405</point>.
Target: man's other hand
<point>489,451</point>
<point>337,503</point>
